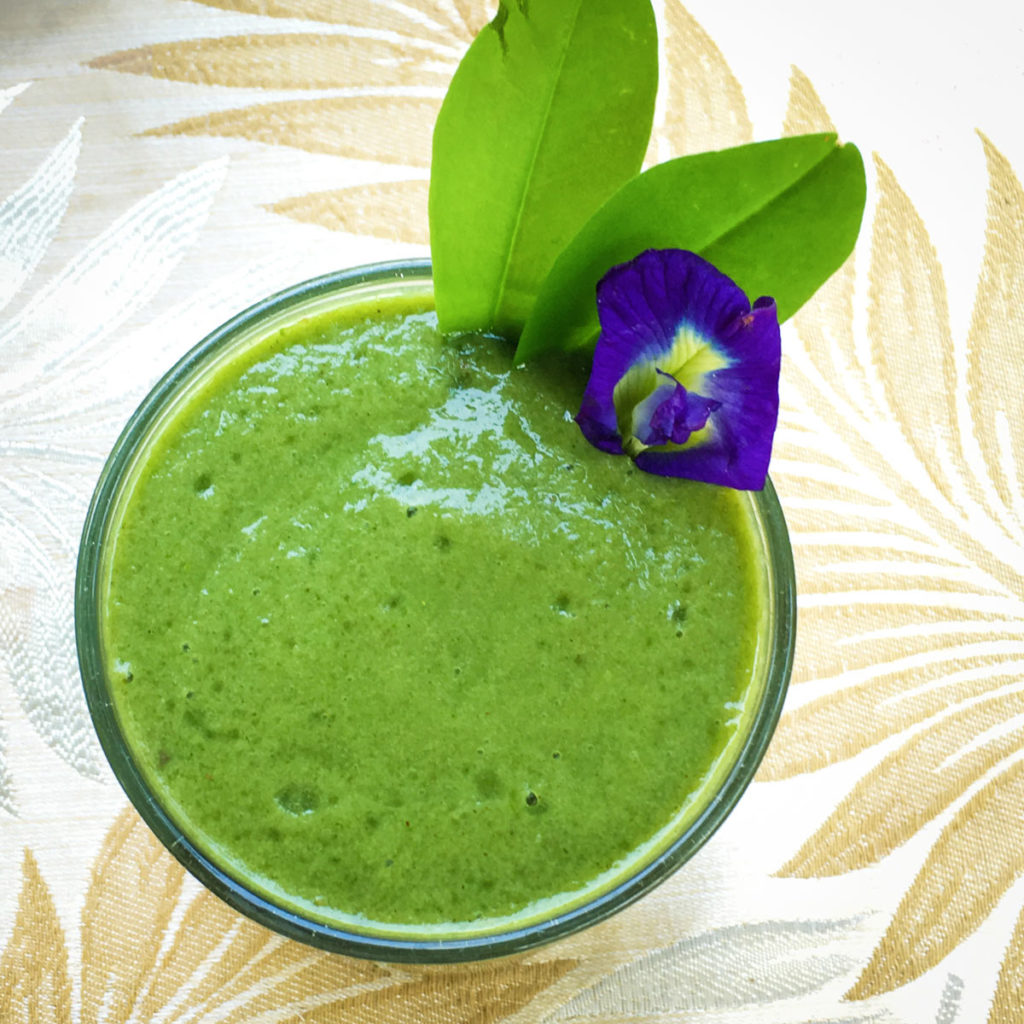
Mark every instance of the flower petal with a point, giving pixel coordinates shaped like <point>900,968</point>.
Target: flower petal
<point>671,314</point>
<point>670,413</point>
<point>738,445</point>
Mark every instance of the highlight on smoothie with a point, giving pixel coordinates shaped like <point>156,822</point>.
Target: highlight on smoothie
<point>377,636</point>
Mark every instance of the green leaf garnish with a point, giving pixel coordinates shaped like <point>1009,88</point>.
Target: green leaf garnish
<point>548,114</point>
<point>777,217</point>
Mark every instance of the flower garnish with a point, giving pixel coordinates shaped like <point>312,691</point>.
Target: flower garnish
<point>685,378</point>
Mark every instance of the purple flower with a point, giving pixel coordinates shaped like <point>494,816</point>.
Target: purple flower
<point>685,378</point>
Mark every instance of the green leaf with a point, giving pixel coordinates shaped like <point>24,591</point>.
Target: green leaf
<point>548,114</point>
<point>778,217</point>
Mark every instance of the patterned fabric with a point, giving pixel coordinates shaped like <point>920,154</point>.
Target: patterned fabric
<point>165,164</point>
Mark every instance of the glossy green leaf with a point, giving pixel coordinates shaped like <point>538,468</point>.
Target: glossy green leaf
<point>548,114</point>
<point>778,217</point>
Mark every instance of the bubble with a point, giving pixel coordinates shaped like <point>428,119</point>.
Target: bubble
<point>297,799</point>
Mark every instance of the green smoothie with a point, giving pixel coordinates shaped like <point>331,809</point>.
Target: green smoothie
<point>399,649</point>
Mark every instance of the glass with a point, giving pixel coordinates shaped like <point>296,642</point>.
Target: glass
<point>767,689</point>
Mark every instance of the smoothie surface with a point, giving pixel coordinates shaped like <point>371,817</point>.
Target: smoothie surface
<point>393,643</point>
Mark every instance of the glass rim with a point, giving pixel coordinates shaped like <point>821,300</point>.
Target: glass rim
<point>143,425</point>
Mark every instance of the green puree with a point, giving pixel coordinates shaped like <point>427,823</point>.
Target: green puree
<point>394,642</point>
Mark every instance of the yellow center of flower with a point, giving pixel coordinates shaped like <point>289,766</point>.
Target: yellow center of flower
<point>689,359</point>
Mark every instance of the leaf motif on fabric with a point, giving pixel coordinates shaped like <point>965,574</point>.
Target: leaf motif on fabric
<point>143,959</point>
<point>858,559</point>
<point>481,994</point>
<point>54,340</point>
<point>219,965</point>
<point>474,14</point>
<point>11,93</point>
<point>908,300</point>
<point>725,969</point>
<point>805,112</point>
<point>1009,994</point>
<point>8,795</point>
<point>226,967</point>
<point>895,635</point>
<point>949,1001</point>
<point>705,106</point>
<point>131,896</point>
<point>978,855</point>
<point>113,278</point>
<point>55,415</point>
<point>287,61</point>
<point>886,703</point>
<point>396,210</point>
<point>909,788</point>
<point>36,623</point>
<point>428,19</point>
<point>394,130</point>
<point>894,461</point>
<point>35,987</point>
<point>993,343</point>
<point>208,932</point>
<point>379,125</point>
<point>29,218</point>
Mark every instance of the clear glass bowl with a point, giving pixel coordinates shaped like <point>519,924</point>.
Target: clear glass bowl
<point>768,687</point>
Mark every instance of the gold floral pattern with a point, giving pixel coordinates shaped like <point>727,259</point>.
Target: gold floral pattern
<point>153,950</point>
<point>35,987</point>
<point>896,468</point>
<point>385,116</point>
<point>392,86</point>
